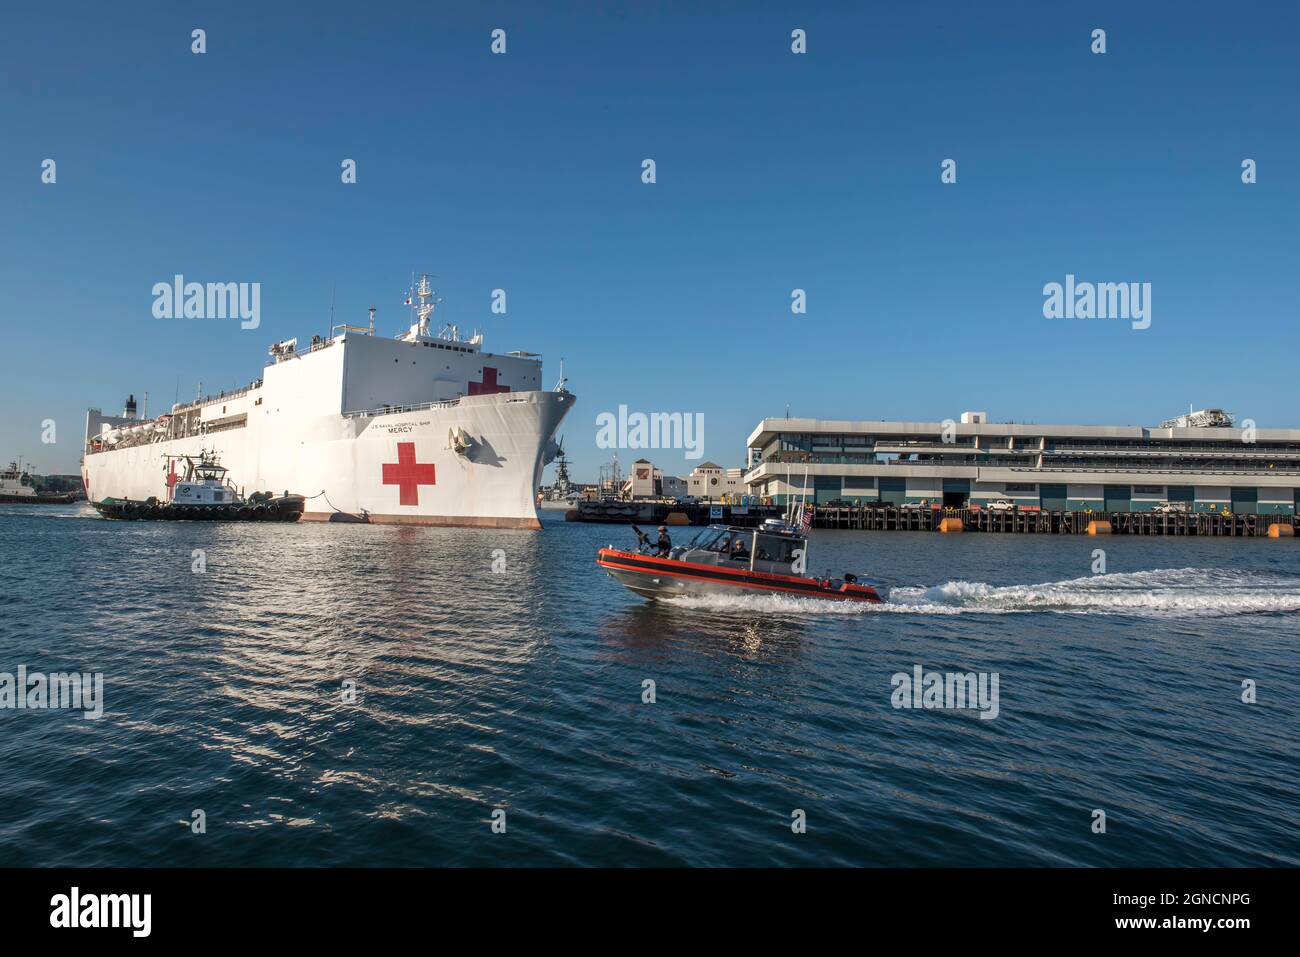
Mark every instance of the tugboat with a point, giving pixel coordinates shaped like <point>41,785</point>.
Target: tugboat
<point>17,488</point>
<point>725,559</point>
<point>202,494</point>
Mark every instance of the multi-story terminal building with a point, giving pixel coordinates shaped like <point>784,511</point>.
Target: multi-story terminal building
<point>707,482</point>
<point>1200,460</point>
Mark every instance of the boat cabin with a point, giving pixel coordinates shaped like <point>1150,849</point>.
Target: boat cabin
<point>775,547</point>
<point>204,484</point>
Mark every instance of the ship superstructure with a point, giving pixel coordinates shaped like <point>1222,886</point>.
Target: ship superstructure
<point>421,429</point>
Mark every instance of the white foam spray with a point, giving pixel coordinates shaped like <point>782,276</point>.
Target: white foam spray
<point>1158,593</point>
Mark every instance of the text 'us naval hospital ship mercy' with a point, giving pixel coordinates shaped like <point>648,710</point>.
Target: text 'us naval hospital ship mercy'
<point>422,429</point>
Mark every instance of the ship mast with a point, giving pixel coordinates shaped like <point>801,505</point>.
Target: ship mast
<point>423,300</point>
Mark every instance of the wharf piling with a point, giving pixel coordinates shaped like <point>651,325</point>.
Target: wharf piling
<point>898,519</point>
<point>1037,522</point>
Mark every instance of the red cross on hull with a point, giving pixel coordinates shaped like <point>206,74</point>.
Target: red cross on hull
<point>408,475</point>
<point>489,385</point>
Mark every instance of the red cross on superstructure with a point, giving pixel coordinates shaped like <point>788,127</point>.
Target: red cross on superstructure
<point>408,475</point>
<point>489,385</point>
<point>171,478</point>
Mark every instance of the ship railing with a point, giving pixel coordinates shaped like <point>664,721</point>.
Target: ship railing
<point>299,353</point>
<point>398,409</point>
<point>211,400</point>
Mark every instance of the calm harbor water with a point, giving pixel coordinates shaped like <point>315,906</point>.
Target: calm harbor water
<point>521,689</point>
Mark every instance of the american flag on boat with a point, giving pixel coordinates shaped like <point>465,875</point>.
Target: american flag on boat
<point>805,518</point>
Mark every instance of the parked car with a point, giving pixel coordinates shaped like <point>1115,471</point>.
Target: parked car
<point>1171,507</point>
<point>1001,505</point>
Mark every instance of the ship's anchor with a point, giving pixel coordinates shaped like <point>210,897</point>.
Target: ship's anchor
<point>459,440</point>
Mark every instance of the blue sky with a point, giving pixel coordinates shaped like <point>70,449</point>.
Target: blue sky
<point>775,172</point>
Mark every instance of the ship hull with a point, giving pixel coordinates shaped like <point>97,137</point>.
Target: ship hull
<point>395,468</point>
<point>656,577</point>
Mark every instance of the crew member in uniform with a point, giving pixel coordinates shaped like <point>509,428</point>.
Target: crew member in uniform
<point>665,544</point>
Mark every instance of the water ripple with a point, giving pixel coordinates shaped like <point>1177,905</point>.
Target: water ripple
<point>228,691</point>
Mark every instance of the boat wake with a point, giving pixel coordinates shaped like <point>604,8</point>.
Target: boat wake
<point>769,605</point>
<point>71,510</point>
<point>1158,593</point>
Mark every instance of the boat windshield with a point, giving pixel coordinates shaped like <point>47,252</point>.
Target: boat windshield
<point>733,542</point>
<point>720,544</point>
<point>707,538</point>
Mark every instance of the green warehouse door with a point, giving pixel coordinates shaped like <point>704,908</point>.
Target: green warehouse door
<point>1118,497</point>
<point>956,493</point>
<point>1245,501</point>
<point>893,490</point>
<point>827,488</point>
<point>1053,497</point>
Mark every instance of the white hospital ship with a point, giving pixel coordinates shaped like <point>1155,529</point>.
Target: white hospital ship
<point>422,429</point>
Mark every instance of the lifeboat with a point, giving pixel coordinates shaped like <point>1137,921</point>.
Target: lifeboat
<point>725,559</point>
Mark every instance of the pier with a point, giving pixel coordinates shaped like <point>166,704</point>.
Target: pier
<point>617,512</point>
<point>893,518</point>
<point>1038,522</point>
